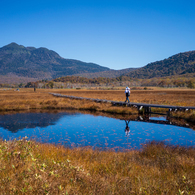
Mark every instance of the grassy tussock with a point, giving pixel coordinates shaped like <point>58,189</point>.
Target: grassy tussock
<point>28,167</point>
<point>188,116</point>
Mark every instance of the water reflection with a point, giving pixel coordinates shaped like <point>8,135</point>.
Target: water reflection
<point>127,129</point>
<point>163,119</point>
<point>18,122</point>
<point>77,129</point>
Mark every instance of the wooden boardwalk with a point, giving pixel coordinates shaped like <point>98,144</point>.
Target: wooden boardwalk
<point>146,108</point>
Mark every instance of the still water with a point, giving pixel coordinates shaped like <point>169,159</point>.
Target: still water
<point>77,129</point>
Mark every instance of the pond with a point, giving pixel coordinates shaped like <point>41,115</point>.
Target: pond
<point>78,129</point>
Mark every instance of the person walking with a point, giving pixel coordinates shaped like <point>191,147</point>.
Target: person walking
<point>127,92</point>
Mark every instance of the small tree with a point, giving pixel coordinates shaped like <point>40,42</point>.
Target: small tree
<point>51,84</point>
<point>191,84</point>
<point>20,85</point>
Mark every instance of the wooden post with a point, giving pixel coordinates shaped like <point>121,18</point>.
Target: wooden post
<point>147,110</point>
<point>140,109</point>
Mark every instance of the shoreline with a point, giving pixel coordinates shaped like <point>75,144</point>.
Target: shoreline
<point>28,100</point>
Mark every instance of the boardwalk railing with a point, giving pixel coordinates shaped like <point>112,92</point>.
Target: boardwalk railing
<point>142,107</point>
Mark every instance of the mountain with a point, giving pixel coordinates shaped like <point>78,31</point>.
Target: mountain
<point>178,64</point>
<point>40,63</point>
<point>108,74</point>
<point>19,64</point>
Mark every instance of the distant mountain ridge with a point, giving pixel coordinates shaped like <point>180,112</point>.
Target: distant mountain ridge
<point>178,64</point>
<point>108,74</point>
<point>24,64</point>
<point>40,63</point>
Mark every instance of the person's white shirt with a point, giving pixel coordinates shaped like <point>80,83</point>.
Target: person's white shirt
<point>127,90</point>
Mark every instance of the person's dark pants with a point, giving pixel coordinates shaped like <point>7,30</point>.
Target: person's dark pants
<point>127,97</point>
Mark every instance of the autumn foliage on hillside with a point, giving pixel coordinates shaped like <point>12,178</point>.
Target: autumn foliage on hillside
<point>76,81</point>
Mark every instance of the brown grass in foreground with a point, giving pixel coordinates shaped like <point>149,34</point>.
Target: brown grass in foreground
<point>27,99</point>
<point>28,167</point>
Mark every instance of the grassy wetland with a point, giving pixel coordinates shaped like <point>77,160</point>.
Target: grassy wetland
<point>27,99</point>
<point>30,167</point>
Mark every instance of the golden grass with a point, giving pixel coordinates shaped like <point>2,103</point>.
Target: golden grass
<point>177,97</point>
<point>190,116</point>
<point>28,167</point>
<point>27,99</point>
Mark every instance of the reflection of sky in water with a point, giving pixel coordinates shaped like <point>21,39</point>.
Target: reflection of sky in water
<point>158,118</point>
<point>99,131</point>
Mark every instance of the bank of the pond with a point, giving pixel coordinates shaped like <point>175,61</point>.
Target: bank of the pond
<point>18,101</point>
<point>28,167</point>
<point>188,116</point>
<point>27,99</point>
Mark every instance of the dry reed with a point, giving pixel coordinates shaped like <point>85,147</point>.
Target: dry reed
<point>28,167</point>
<point>27,99</point>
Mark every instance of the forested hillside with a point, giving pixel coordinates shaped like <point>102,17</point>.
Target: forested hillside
<point>178,64</point>
<point>107,74</point>
<point>22,65</point>
<point>41,63</point>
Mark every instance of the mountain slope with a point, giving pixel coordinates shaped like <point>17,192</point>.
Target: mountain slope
<point>24,64</point>
<point>40,63</point>
<point>178,64</point>
<point>107,74</point>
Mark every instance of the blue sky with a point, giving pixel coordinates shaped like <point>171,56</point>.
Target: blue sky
<point>114,33</point>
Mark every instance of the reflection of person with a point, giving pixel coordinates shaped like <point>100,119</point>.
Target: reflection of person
<point>127,92</point>
<point>127,129</point>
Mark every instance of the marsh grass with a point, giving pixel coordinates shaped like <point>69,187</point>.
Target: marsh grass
<point>28,167</point>
<point>27,99</point>
<point>188,116</point>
